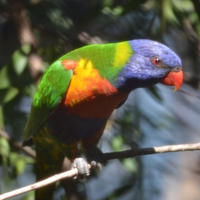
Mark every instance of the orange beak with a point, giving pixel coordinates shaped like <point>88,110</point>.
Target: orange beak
<point>173,78</point>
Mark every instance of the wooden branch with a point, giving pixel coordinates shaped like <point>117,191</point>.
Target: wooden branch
<point>107,156</point>
<point>40,184</point>
<point>151,150</point>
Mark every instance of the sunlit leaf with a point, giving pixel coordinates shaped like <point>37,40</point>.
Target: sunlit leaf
<point>106,10</point>
<point>4,147</point>
<point>20,58</point>
<point>20,165</point>
<point>29,196</point>
<point>19,162</point>
<point>30,90</point>
<point>13,157</point>
<point>7,94</point>
<point>117,143</point>
<point>107,2</point>
<point>182,6</point>
<point>118,10</point>
<point>130,165</point>
<point>4,78</point>
<point>29,160</point>
<point>168,12</point>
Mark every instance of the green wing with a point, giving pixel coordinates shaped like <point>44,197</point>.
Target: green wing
<point>50,92</point>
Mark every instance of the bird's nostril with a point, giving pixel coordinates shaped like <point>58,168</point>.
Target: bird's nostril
<point>177,69</point>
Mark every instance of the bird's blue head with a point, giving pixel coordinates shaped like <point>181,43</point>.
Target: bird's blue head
<point>151,62</point>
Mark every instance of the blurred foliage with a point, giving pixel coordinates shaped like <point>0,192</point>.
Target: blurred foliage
<point>15,162</point>
<point>63,25</point>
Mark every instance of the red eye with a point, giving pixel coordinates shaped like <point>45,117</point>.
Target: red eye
<point>156,61</point>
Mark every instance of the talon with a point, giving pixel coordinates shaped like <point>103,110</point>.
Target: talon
<point>99,166</point>
<point>95,156</point>
<point>93,164</point>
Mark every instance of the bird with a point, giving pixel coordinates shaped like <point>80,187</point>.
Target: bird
<point>78,93</point>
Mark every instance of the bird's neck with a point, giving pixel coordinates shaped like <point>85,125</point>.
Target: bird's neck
<point>128,85</point>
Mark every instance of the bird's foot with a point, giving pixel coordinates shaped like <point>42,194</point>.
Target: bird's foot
<point>82,166</point>
<point>95,159</point>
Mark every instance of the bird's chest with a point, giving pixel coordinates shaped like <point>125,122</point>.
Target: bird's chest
<point>88,103</point>
<point>92,96</point>
<point>69,128</point>
<point>83,116</point>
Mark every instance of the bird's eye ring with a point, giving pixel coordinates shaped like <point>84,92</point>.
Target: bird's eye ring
<point>156,61</point>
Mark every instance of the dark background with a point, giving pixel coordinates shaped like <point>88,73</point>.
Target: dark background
<point>34,33</point>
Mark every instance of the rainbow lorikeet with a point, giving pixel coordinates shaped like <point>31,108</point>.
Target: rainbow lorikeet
<point>79,91</point>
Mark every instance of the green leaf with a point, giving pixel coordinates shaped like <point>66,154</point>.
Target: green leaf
<point>19,162</point>
<point>117,143</point>
<point>117,10</point>
<point>26,48</point>
<point>130,165</point>
<point>20,165</point>
<point>168,11</point>
<point>4,147</point>
<point>107,3</point>
<point>13,157</point>
<point>29,196</point>
<point>29,90</point>
<point>4,78</point>
<point>185,5</point>
<point>154,92</point>
<point>7,94</point>
<point>20,58</point>
<point>29,160</point>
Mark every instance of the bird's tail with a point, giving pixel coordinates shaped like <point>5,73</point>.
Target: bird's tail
<point>46,166</point>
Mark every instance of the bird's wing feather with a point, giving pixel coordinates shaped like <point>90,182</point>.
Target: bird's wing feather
<point>50,92</point>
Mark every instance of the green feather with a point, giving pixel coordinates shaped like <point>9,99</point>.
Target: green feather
<point>50,92</point>
<point>108,59</point>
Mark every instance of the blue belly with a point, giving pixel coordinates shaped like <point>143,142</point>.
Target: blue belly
<point>70,129</point>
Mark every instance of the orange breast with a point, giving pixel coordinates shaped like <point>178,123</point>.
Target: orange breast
<point>91,96</point>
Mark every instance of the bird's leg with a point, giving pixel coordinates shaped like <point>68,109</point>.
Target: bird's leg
<point>80,164</point>
<point>95,157</point>
<point>72,153</point>
<point>93,153</point>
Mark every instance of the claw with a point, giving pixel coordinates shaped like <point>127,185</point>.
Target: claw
<point>93,164</point>
<point>94,154</point>
<point>97,165</point>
